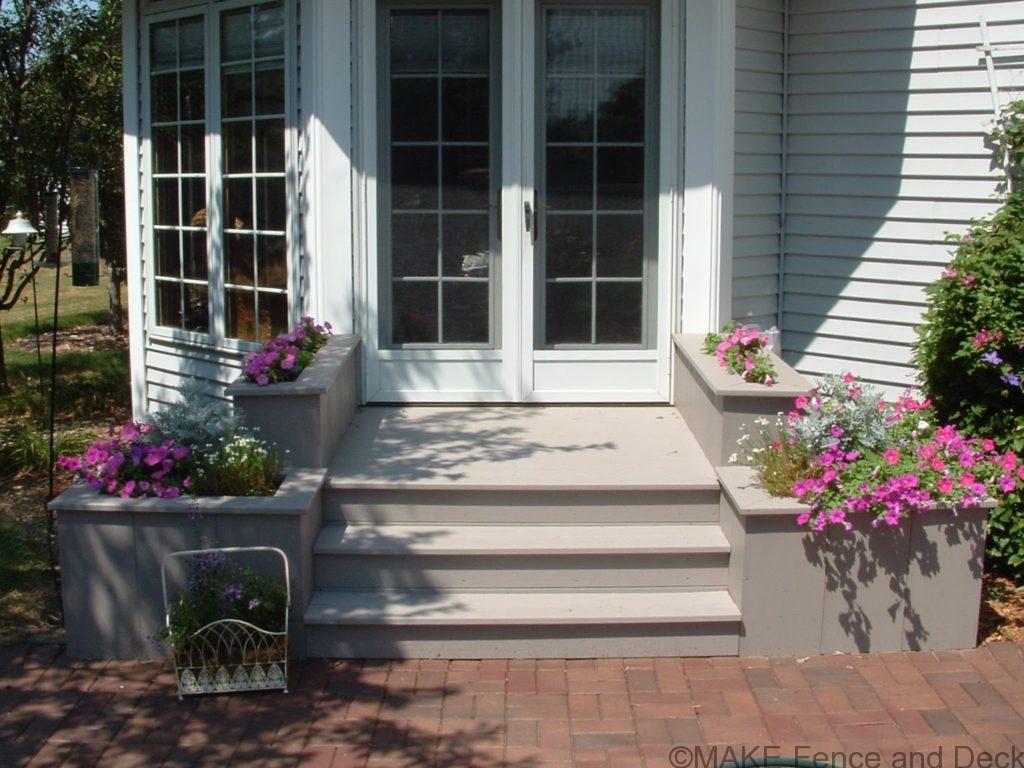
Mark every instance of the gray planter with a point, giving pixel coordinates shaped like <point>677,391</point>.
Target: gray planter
<point>718,405</point>
<point>914,587</point>
<point>111,550</point>
<point>308,416</point>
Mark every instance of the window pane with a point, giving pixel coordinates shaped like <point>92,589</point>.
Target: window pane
<point>620,41</point>
<point>466,313</point>
<point>193,202</point>
<point>620,246</point>
<point>570,109</point>
<point>163,91</point>
<point>271,205</point>
<point>166,204</point>
<point>238,259</point>
<point>197,308</point>
<point>193,95</point>
<point>237,147</point>
<point>570,175</point>
<point>190,42</point>
<point>269,30</point>
<point>414,245</point>
<point>273,261</point>
<point>414,109</point>
<point>619,309</point>
<point>240,312</point>
<point>620,178</point>
<point>166,246</point>
<point>269,89</point>
<point>567,311</point>
<point>467,178</point>
<point>168,303</point>
<point>273,315</point>
<point>238,204</point>
<point>466,102</point>
<point>569,243</point>
<point>195,263</point>
<point>465,41</point>
<point>269,146</point>
<point>163,45</point>
<point>165,150</point>
<point>193,149</point>
<point>620,111</point>
<point>235,35</point>
<point>466,251</point>
<point>414,41</point>
<point>236,88</point>
<point>414,177</point>
<point>570,41</point>
<point>414,312</point>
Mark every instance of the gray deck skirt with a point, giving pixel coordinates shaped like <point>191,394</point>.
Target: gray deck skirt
<point>111,550</point>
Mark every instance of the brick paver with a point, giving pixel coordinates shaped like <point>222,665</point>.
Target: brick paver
<point>525,713</point>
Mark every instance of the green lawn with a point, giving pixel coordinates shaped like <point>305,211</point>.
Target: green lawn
<point>78,305</point>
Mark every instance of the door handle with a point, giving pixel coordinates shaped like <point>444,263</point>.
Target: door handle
<point>530,218</point>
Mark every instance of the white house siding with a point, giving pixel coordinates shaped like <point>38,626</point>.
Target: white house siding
<point>760,25</point>
<point>888,101</point>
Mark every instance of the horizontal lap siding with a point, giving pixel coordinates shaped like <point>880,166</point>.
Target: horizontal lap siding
<point>888,102</point>
<point>758,160</point>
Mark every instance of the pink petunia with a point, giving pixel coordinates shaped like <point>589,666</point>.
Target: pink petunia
<point>945,485</point>
<point>892,456</point>
<point>1007,484</point>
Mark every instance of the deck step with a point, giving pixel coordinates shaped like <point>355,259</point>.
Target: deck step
<point>520,540</point>
<point>578,624</point>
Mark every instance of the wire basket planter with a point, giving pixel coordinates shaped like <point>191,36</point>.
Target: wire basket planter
<point>230,655</point>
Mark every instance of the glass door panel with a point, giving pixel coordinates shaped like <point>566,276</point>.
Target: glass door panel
<point>440,208</point>
<point>594,176</point>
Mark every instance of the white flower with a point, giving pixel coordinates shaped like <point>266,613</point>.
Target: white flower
<point>922,425</point>
<point>733,459</point>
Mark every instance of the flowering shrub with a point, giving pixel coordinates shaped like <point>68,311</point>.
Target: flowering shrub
<point>970,352</point>
<point>742,351</point>
<point>239,465</point>
<point>131,465</point>
<point>283,358</point>
<point>908,466</point>
<point>218,588</point>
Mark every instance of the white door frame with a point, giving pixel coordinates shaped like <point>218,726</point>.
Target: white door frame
<point>704,235</point>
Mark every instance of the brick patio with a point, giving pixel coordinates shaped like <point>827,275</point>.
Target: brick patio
<point>609,712</point>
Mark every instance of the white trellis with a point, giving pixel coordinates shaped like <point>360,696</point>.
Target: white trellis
<point>991,53</point>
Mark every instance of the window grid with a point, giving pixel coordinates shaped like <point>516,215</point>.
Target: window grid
<point>595,76</point>
<point>255,264</point>
<point>439,279</point>
<point>182,292</point>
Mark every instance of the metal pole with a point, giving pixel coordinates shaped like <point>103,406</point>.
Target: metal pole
<point>51,528</point>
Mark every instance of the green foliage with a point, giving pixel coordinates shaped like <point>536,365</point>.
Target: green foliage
<point>26,447</point>
<point>237,465</point>
<point>1007,136</point>
<point>777,461</point>
<point>218,588</point>
<point>975,311</point>
<point>840,411</point>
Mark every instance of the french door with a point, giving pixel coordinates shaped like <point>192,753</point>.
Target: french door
<point>517,182</point>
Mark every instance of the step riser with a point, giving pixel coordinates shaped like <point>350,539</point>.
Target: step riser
<point>520,507</point>
<point>583,642</point>
<point>477,572</point>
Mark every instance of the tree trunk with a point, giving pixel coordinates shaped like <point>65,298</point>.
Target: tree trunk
<point>116,316</point>
<point>3,364</point>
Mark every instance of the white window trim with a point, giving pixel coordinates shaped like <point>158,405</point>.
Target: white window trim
<point>216,338</point>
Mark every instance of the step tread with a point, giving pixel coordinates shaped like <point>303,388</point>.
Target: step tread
<point>518,449</point>
<point>443,539</point>
<point>422,608</point>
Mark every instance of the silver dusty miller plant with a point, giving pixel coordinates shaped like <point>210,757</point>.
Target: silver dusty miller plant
<point>841,410</point>
<point>196,418</point>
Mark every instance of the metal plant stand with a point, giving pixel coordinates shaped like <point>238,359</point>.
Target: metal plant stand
<point>231,655</point>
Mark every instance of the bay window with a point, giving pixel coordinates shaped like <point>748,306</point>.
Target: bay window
<point>219,160</point>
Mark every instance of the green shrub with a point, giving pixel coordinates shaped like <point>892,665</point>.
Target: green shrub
<point>970,354</point>
<point>25,447</point>
<point>239,465</point>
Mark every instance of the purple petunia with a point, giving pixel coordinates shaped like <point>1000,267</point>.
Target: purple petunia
<point>1012,379</point>
<point>992,358</point>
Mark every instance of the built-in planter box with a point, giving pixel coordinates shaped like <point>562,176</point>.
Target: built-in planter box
<point>111,550</point>
<point>308,416</point>
<point>913,587</point>
<point>718,405</point>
